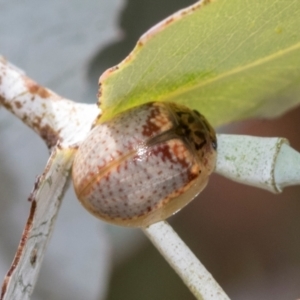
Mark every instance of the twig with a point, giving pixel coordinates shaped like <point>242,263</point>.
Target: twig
<point>184,262</point>
<point>267,163</point>
<point>52,117</point>
<point>46,199</point>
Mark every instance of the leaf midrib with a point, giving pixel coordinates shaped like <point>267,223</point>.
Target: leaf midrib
<point>234,71</point>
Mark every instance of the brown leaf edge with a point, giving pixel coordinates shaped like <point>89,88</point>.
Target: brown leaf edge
<point>148,35</point>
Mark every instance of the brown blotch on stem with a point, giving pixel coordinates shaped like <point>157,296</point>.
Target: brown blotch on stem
<point>6,104</point>
<point>35,187</point>
<point>33,257</point>
<point>18,104</point>
<point>50,136</point>
<point>20,250</point>
<point>46,132</point>
<point>36,89</point>
<point>2,100</point>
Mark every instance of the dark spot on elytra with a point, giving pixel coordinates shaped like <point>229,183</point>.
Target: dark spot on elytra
<point>180,113</point>
<point>191,119</point>
<point>199,146</point>
<point>150,128</point>
<point>183,130</point>
<point>192,176</point>
<point>199,134</point>
<point>164,150</point>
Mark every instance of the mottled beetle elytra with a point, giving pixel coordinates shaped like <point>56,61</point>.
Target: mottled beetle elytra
<point>144,164</point>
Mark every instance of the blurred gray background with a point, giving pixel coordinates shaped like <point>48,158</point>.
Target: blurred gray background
<point>248,238</point>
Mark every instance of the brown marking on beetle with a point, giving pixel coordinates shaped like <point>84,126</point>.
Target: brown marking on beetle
<point>20,249</point>
<point>199,146</point>
<point>167,199</point>
<point>150,127</point>
<point>181,155</point>
<point>35,88</point>
<point>194,127</point>
<point>192,175</point>
<point>165,150</point>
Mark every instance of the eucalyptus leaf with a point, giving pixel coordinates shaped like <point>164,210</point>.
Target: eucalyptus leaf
<point>229,59</point>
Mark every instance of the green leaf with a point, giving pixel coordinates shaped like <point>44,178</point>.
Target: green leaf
<point>229,59</point>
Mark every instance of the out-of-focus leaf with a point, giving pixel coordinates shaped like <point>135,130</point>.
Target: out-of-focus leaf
<point>229,59</point>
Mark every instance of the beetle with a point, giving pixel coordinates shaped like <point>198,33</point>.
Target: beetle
<point>144,164</point>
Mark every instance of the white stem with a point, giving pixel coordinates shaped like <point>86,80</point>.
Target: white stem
<point>53,117</point>
<point>184,262</point>
<point>249,160</point>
